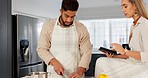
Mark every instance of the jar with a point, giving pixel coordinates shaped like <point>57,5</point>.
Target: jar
<point>35,75</point>
<point>42,75</point>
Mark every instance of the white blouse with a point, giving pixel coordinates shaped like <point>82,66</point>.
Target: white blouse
<point>139,40</point>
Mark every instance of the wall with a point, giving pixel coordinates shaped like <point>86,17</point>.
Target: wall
<point>36,8</point>
<point>100,12</point>
<point>88,9</point>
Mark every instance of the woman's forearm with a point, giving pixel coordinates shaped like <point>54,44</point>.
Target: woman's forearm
<point>121,56</point>
<point>133,54</point>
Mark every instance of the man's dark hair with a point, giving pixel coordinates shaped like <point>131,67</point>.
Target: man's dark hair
<point>71,5</point>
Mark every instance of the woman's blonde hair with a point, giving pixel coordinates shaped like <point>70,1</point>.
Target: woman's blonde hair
<point>141,8</point>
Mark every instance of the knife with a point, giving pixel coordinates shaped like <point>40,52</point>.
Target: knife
<point>62,75</point>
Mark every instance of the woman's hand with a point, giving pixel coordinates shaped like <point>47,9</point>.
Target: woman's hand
<point>118,48</point>
<point>109,55</point>
<point>116,56</point>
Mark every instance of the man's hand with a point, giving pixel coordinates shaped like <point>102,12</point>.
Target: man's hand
<point>78,73</point>
<point>58,68</point>
<point>75,75</point>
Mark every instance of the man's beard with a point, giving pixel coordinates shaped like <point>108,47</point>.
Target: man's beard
<point>63,23</point>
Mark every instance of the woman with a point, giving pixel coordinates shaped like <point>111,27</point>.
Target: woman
<point>131,63</point>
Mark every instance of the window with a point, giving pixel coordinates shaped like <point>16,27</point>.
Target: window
<point>106,31</point>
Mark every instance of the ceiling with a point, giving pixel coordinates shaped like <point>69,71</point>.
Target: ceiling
<point>89,9</point>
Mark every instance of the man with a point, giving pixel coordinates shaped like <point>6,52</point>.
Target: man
<point>64,44</point>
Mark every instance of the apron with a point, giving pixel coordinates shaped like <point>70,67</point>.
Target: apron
<point>65,48</point>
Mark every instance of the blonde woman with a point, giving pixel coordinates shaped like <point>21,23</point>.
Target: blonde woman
<point>131,63</point>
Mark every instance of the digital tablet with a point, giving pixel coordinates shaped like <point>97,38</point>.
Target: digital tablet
<point>102,49</point>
